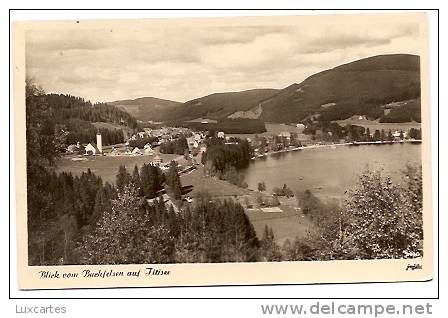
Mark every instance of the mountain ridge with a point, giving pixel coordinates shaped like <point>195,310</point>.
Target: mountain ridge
<point>361,87</point>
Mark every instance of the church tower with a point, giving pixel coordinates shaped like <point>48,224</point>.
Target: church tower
<point>99,142</point>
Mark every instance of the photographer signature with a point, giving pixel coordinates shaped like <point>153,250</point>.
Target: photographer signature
<point>413,267</point>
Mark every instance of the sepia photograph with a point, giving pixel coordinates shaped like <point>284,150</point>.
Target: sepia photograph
<point>281,140</point>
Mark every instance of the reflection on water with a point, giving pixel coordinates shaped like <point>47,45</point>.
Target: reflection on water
<point>328,172</point>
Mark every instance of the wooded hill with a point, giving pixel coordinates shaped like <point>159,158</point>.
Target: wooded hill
<point>147,108</point>
<point>363,87</point>
<point>77,116</point>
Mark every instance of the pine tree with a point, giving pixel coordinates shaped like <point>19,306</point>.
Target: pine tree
<point>390,137</point>
<point>102,203</point>
<point>123,178</point>
<point>124,235</point>
<point>383,135</point>
<point>173,181</point>
<point>136,181</point>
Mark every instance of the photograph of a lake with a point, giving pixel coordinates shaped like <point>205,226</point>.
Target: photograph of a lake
<point>329,172</point>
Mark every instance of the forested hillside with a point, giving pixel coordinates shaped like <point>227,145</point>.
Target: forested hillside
<point>76,115</point>
<point>362,87</point>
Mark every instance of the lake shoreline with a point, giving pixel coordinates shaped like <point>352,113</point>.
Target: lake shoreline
<point>357,143</point>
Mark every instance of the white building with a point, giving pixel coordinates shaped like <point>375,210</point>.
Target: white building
<point>92,149</point>
<point>137,151</point>
<point>221,134</point>
<point>148,151</point>
<point>99,143</point>
<point>300,127</point>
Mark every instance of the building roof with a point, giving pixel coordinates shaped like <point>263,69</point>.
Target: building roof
<point>92,144</point>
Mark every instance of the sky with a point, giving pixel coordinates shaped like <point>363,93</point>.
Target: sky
<point>183,62</point>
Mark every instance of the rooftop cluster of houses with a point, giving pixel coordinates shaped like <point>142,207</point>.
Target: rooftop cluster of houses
<point>163,134</point>
<point>89,149</point>
<point>147,150</point>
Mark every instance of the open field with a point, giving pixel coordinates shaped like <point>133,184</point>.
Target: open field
<point>216,188</point>
<point>106,166</point>
<point>289,224</point>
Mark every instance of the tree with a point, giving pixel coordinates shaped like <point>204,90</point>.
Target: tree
<point>376,135</point>
<point>125,235</point>
<point>368,136</point>
<point>123,178</point>
<point>151,180</point>
<point>261,186</point>
<point>382,221</point>
<point>44,141</point>
<point>136,181</point>
<point>173,181</point>
<point>270,251</point>
<point>383,135</point>
<point>390,137</point>
<point>68,225</point>
<point>102,203</point>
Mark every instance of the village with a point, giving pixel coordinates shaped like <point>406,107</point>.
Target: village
<point>150,142</point>
<point>148,146</point>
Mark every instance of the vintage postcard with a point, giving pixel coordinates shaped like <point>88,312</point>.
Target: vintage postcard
<point>223,151</point>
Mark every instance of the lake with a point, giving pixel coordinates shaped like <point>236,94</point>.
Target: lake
<point>328,172</point>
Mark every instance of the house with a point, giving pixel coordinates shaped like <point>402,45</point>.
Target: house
<point>286,134</point>
<point>72,148</point>
<point>128,151</point>
<point>148,151</point>
<point>165,199</point>
<point>157,160</point>
<point>114,152</point>
<point>137,151</point>
<point>397,134</point>
<point>221,134</point>
<point>92,149</point>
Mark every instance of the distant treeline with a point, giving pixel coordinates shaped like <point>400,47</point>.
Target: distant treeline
<point>84,132</point>
<point>228,126</point>
<point>220,155</point>
<point>373,107</point>
<point>68,106</point>
<point>224,160</point>
<point>330,131</point>
<point>405,113</point>
<point>176,146</point>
